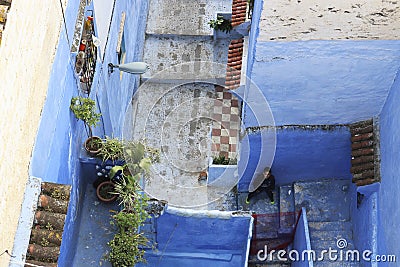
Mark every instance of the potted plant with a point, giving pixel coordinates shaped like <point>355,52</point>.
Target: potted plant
<point>221,24</point>
<point>112,149</point>
<point>221,168</point>
<point>105,191</point>
<point>126,246</point>
<point>106,184</point>
<point>84,109</point>
<point>221,160</point>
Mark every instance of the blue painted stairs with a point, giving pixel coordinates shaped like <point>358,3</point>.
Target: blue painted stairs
<point>328,212</point>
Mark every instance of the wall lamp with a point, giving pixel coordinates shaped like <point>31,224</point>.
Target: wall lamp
<point>132,68</point>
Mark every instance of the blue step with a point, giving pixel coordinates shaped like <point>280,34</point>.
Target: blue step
<point>331,235</point>
<point>336,264</point>
<point>330,226</point>
<point>325,200</point>
<point>326,244</point>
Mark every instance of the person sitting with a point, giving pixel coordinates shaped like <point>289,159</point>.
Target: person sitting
<point>268,185</point>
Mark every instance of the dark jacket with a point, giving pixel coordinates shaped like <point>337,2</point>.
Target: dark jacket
<point>269,183</point>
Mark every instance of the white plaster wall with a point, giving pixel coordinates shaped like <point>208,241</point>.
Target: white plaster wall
<point>103,10</point>
<point>26,55</point>
<point>289,20</point>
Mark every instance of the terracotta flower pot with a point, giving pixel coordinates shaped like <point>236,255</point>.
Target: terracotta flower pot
<point>104,192</point>
<point>93,145</point>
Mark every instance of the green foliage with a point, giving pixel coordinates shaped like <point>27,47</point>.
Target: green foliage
<point>84,109</point>
<point>134,215</point>
<point>111,149</point>
<point>125,249</point>
<point>128,192</point>
<point>221,24</point>
<point>126,244</point>
<point>139,157</point>
<point>221,160</point>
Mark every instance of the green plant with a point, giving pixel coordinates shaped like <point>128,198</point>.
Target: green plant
<point>111,149</point>
<point>221,24</point>
<point>84,109</point>
<point>126,244</point>
<point>139,158</point>
<point>128,191</point>
<point>125,247</point>
<point>221,160</point>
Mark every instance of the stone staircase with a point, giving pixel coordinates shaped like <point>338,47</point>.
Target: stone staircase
<point>328,212</point>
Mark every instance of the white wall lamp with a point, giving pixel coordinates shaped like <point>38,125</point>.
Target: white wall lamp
<point>132,68</point>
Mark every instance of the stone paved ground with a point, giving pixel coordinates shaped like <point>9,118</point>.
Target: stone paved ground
<point>177,121</point>
<point>174,110</point>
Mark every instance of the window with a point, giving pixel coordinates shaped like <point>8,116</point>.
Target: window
<point>85,63</point>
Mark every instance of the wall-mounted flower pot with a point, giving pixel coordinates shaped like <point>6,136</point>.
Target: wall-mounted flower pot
<point>104,192</point>
<point>93,145</point>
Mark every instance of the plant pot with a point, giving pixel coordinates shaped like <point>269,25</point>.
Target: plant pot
<point>104,192</point>
<point>93,145</point>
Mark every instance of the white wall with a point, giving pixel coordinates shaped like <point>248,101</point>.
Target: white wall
<point>288,20</point>
<point>103,12</point>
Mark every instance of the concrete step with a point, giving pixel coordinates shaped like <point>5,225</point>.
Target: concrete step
<point>331,235</point>
<point>268,264</point>
<point>336,264</point>
<point>267,234</point>
<point>286,209</point>
<point>325,200</point>
<point>330,226</point>
<point>259,204</point>
<point>318,245</point>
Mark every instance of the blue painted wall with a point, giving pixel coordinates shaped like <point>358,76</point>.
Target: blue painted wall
<point>301,240</point>
<point>324,82</point>
<point>389,200</point>
<point>254,32</point>
<point>59,140</point>
<point>301,154</point>
<point>199,241</point>
<point>366,222</point>
<point>51,158</point>
<point>114,94</point>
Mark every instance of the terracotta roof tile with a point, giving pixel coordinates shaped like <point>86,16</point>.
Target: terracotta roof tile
<point>48,226</point>
<point>363,168</point>
<point>239,9</point>
<point>234,64</point>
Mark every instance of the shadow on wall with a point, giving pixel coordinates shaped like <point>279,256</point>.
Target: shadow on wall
<point>302,153</point>
<point>389,201</point>
<point>188,238</point>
